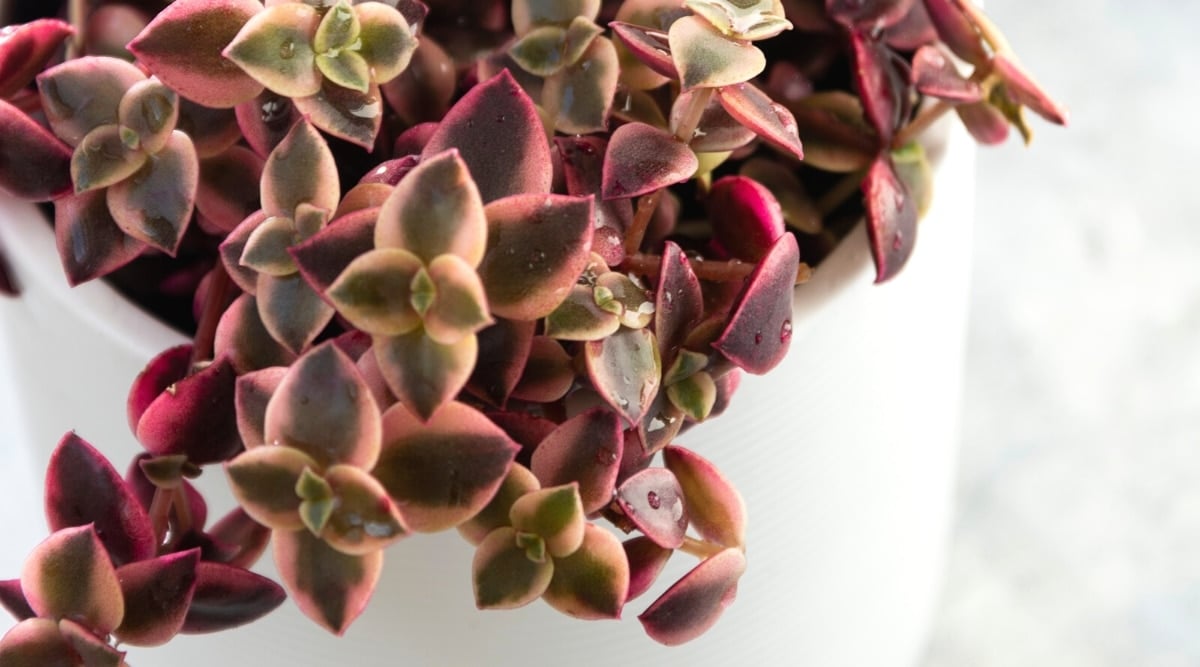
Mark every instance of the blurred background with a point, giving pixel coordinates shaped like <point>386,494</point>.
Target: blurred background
<point>1077,538</point>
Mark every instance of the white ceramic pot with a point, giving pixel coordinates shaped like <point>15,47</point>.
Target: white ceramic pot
<point>845,455</point>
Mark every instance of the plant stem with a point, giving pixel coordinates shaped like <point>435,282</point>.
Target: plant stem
<point>214,305</point>
<point>715,271</point>
<point>183,510</point>
<point>160,512</point>
<point>699,548</point>
<point>649,203</point>
<point>839,193</point>
<point>921,123</point>
<point>77,15</point>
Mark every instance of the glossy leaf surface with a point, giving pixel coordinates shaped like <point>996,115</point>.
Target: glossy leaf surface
<point>707,59</point>
<point>641,159</point>
<point>626,369</point>
<point>584,449</point>
<point>695,603</point>
<point>716,508</point>
<point>653,500</point>
<point>891,219</point>
<point>759,332</point>
<point>34,164</point>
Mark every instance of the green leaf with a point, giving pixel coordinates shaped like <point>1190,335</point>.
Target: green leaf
<point>717,509</point>
<point>529,13</point>
<point>69,575</point>
<point>593,582</point>
<point>422,373</point>
<point>554,514</point>
<point>291,311</point>
<point>266,250</point>
<point>504,576</point>
<point>541,50</point>
<point>150,109</point>
<point>347,69</point>
<point>339,29</point>
<point>579,318</point>
<point>707,59</point>
<point>460,307</point>
<point>275,48</point>
<point>330,587</point>
<point>516,484</point>
<point>103,159</point>
<point>264,481</point>
<point>694,395</point>
<point>155,204</point>
<point>300,170</point>
<point>626,370</point>
<point>435,210</point>
<point>375,292</point>
<point>742,19</point>
<point>363,519</point>
<point>388,43</point>
<point>584,90</point>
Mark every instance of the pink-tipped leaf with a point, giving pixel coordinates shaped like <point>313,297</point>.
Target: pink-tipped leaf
<point>364,520</point>
<point>194,417</point>
<point>69,575</point>
<point>716,509</point>
<point>695,603</point>
<point>345,113</point>
<point>585,449</point>
<point>82,94</point>
<point>226,597</point>
<point>891,218</point>
<point>747,218</point>
<point>936,75</point>
<point>642,158</point>
<point>422,373</point>
<point>264,482</point>
<point>708,59</point>
<point>653,500</point>
<point>626,370</point>
<point>646,561</point>
<point>435,210</point>
<point>25,49</point>
<point>155,203</point>
<point>300,170</point>
<point>157,595</point>
<point>34,164</point>
<point>759,332</point>
<point>555,514</point>
<point>768,119</point>
<point>330,587</point>
<point>504,349</point>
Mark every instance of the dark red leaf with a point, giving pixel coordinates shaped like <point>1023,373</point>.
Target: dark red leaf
<point>876,81</point>
<point>89,241</point>
<point>1024,90</point>
<point>83,488</point>
<point>678,302</point>
<point>583,169</point>
<point>196,418</point>
<point>330,587</point>
<point>238,540</point>
<point>934,74</point>
<point>34,164</point>
<point>868,14</point>
<point>584,449</point>
<point>503,350</point>
<point>164,370</point>
<point>956,30</point>
<point>324,256</point>
<point>648,46</point>
<point>768,119</point>
<point>227,597</point>
<point>266,120</point>
<point>499,135</point>
<point>760,330</point>
<point>747,219</point>
<point>693,605</point>
<point>646,561</point>
<point>891,218</point>
<point>228,189</point>
<point>25,49</point>
<point>37,642</point>
<point>157,595</point>
<point>641,159</point>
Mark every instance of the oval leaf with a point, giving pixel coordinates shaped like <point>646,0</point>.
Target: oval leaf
<point>678,301</point>
<point>759,332</point>
<point>504,349</point>
<point>226,597</point>
<point>435,210</point>
<point>80,95</point>
<point>693,605</point>
<point>155,204</point>
<point>25,49</point>
<point>747,219</point>
<point>157,595</point>
<point>626,369</point>
<point>37,642</point>
<point>642,159</point>
<point>585,90</point>
<point>716,508</point>
<point>653,500</point>
<point>770,120</point>
<point>707,59</point>
<point>300,170</point>
<point>70,576</point>
<point>194,417</point>
<point>554,514</point>
<point>422,373</point>
<point>34,164</point>
<point>364,519</point>
<point>504,577</point>
<point>585,449</point>
<point>275,48</point>
<point>291,311</point>
<point>353,115</point>
<point>891,219</point>
<point>646,562</point>
<point>593,582</point>
<point>375,292</point>
<point>330,587</point>
<point>516,484</point>
<point>934,74</point>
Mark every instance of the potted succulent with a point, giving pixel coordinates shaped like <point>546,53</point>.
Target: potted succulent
<point>448,267</point>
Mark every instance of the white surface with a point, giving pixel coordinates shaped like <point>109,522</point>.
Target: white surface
<point>1078,536</point>
<point>844,455</point>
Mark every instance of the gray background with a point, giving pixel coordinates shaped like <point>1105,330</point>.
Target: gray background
<point>1077,539</point>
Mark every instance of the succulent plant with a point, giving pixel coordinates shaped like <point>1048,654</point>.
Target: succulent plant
<point>453,265</point>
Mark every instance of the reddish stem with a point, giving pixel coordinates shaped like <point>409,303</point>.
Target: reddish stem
<point>715,271</point>
<point>214,306</point>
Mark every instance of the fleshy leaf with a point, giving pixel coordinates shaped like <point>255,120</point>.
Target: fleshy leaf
<point>265,120</point>
<point>747,219</point>
<point>934,74</point>
<point>956,30</point>
<point>157,595</point>
<point>266,249</point>
<point>694,395</point>
<point>646,561</point>
<point>291,310</point>
<point>442,472</point>
<point>542,50</point>
<point>227,597</point>
<point>198,72</point>
<point>641,159</point>
<point>584,91</point>
<point>36,642</point>
<point>264,480</point>
<point>151,110</point>
<point>537,247</point>
<point>422,93</point>
<point>70,576</point>
<point>653,500</point>
<point>504,577</point>
<point>435,210</point>
<point>770,120</point>
<point>914,171</point>
<point>877,84</point>
<point>985,122</point>
<point>194,417</point>
<point>625,369</point>
<point>650,47</point>
<point>275,48</point>
<point>330,251</point>
<point>499,135</point>
<point>579,318</point>
<point>25,49</point>
<point>662,423</point>
<point>353,115</point>
<point>529,13</point>
<point>555,514</point>
<point>516,484</point>
<point>678,301</point>
<point>707,59</point>
<point>34,164</point>
<point>743,19</point>
<point>103,159</point>
<point>244,339</point>
<point>92,650</point>
<point>690,607</point>
<point>716,508</point>
<point>330,587</point>
<point>82,488</point>
<point>237,540</point>
<point>155,204</point>
<point>301,170</point>
<point>717,131</point>
<point>583,169</point>
<point>460,307</point>
<point>375,292</point>
<point>593,582</point>
<point>618,294</point>
<point>799,210</point>
<point>13,600</point>
<point>422,373</point>
<point>388,42</point>
<point>584,449</point>
<point>363,519</point>
<point>1021,87</point>
<point>80,95</point>
<point>89,241</point>
<point>760,330</point>
<point>549,373</point>
<point>345,428</point>
<point>891,219</point>
<point>868,15</point>
<point>504,349</point>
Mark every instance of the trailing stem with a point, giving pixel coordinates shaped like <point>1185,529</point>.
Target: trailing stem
<point>714,271</point>
<point>649,203</point>
<point>699,548</point>
<point>214,305</point>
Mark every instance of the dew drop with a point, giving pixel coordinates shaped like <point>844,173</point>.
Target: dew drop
<point>758,338</point>
<point>605,456</point>
<point>287,49</point>
<point>653,500</point>
<point>897,242</point>
<point>785,333</point>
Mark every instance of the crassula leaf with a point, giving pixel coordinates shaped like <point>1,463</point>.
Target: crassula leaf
<point>891,219</point>
<point>760,330</point>
<point>92,650</point>
<point>503,575</point>
<point>82,488</point>
<point>646,561</point>
<point>653,500</point>
<point>707,59</point>
<point>537,246</point>
<point>345,428</point>
<point>194,417</point>
<point>36,642</point>
<point>498,133</point>
<point>226,597</point>
<point>157,595</point>
<point>34,164</point>
<point>585,449</point>
<point>82,94</point>
<point>504,349</point>
<point>583,168</point>
<point>264,481</point>
<point>650,47</point>
<point>422,373</point>
<point>13,600</point>
<point>150,110</point>
<point>330,587</point>
<point>375,292</point>
<point>324,256</point>
<point>956,30</point>
<point>529,13</point>
<point>363,520</point>
<point>678,301</point>
<point>770,120</point>
<point>228,189</point>
<point>516,484</point>
<point>70,576</point>
<point>579,318</point>
<point>585,89</point>
<point>693,605</point>
<point>155,204</point>
<point>244,340</point>
<point>716,508</point>
<point>275,48</point>
<point>442,472</point>
<point>626,369</point>
<point>694,395</point>
<point>877,84</point>
<point>435,210</point>
<point>717,130</point>
<point>300,170</point>
<point>103,159</point>
<point>554,514</point>
<point>237,540</point>
<point>549,372</point>
<point>642,159</point>
<point>25,49</point>
<point>388,43</point>
<point>1021,87</point>
<point>836,137</point>
<point>459,307</point>
<point>593,582</point>
<point>934,74</point>
<point>198,72</point>
<point>291,310</point>
<point>747,219</point>
<point>89,241</point>
<point>346,113</point>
